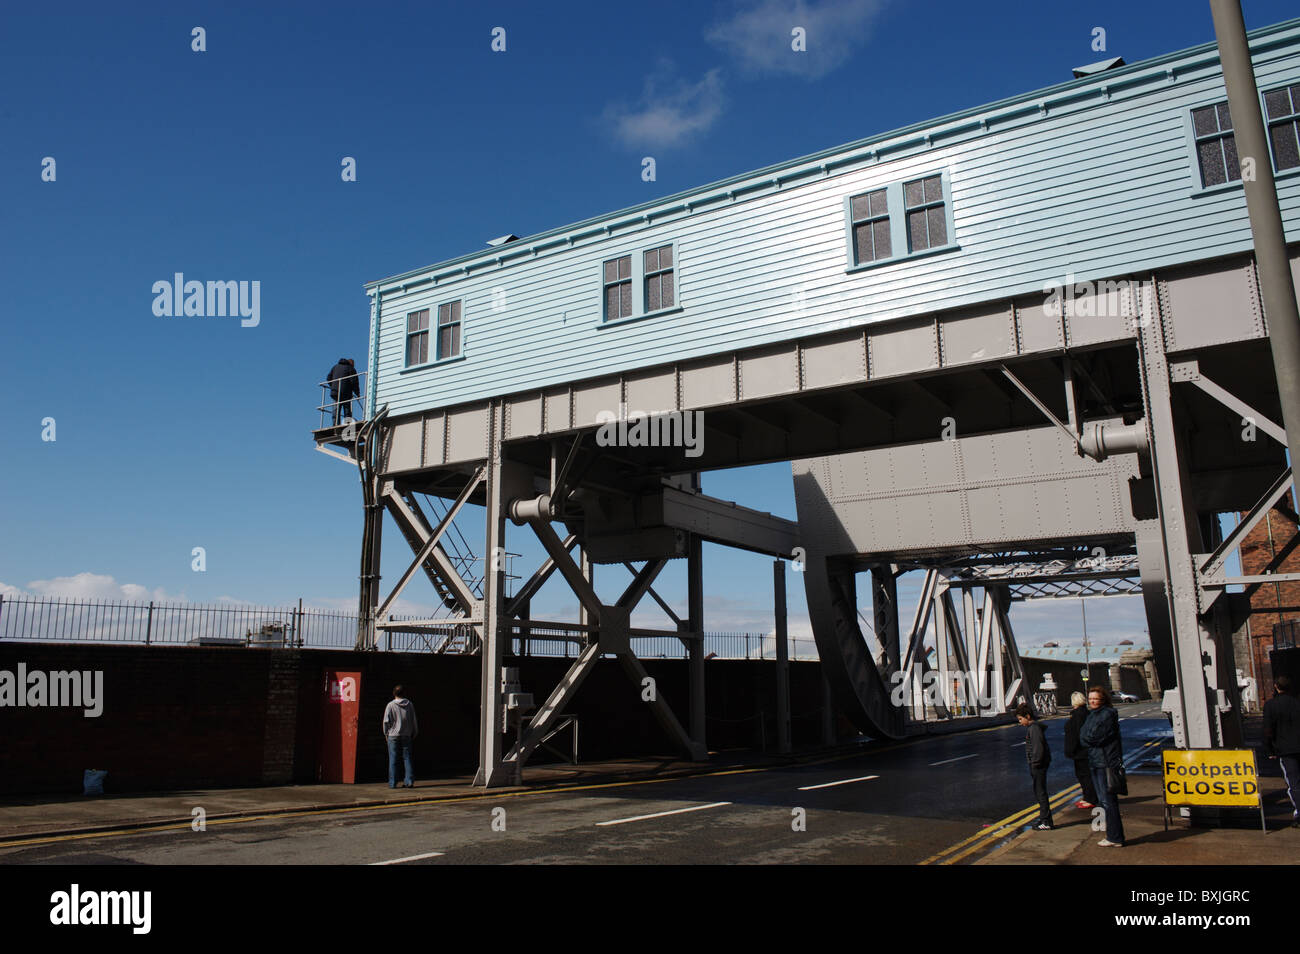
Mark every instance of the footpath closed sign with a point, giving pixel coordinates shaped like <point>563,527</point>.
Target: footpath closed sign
<point>1210,777</point>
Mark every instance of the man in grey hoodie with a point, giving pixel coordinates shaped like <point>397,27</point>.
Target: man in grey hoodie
<point>400,728</point>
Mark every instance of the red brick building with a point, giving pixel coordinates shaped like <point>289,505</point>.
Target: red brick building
<point>1272,546</point>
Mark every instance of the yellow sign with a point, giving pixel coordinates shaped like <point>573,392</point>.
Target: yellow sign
<point>1210,777</point>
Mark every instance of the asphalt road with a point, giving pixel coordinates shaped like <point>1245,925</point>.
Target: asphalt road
<point>899,805</point>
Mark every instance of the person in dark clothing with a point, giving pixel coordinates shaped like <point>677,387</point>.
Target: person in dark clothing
<point>1282,733</point>
<point>344,387</point>
<point>1100,733</point>
<point>1077,753</point>
<point>1040,757</point>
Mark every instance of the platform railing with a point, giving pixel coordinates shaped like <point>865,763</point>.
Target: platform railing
<point>333,411</point>
<point>171,623</point>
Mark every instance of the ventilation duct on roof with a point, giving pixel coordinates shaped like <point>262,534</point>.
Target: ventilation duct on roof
<point>503,240</point>
<point>1093,69</point>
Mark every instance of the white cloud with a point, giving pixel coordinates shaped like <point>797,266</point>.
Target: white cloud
<point>671,110</point>
<point>89,586</point>
<point>759,34</point>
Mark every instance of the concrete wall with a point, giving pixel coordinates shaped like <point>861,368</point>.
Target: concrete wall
<point>179,717</point>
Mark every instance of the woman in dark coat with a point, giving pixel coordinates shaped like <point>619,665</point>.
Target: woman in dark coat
<point>1100,733</point>
<point>1078,753</point>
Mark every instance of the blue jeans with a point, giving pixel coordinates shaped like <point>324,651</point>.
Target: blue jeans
<point>404,745</point>
<point>1110,802</point>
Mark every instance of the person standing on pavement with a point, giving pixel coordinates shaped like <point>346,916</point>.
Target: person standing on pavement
<point>1282,733</point>
<point>1040,757</point>
<point>1078,753</point>
<point>400,730</point>
<point>1100,733</point>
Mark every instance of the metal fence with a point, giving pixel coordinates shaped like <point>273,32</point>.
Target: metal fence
<point>55,619</point>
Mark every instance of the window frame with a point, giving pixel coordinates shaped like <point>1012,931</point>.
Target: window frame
<point>459,324</point>
<point>1194,161</point>
<point>408,334</point>
<point>900,246</point>
<point>432,330</point>
<point>1263,107</point>
<point>639,276</point>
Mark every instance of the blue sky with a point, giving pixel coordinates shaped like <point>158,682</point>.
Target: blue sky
<point>174,433</point>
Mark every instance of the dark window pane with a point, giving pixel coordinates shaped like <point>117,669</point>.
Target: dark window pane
<point>1211,158</point>
<point>667,289</point>
<point>611,270</point>
<point>916,231</point>
<point>880,235</point>
<point>652,260</point>
<point>1286,151</point>
<point>666,257</point>
<point>652,294</point>
<point>412,322</point>
<point>1203,121</point>
<point>938,226</point>
<point>1295,99</point>
<point>879,205</point>
<point>1277,103</point>
<point>625,298</point>
<point>455,311</point>
<point>914,193</point>
<point>1232,164</point>
<point>611,301</point>
<point>861,207</point>
<point>1225,118</point>
<point>934,189</point>
<point>625,266</point>
<point>862,244</point>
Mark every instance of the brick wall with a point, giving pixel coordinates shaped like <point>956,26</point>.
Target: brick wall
<point>183,717</point>
<point>1273,545</point>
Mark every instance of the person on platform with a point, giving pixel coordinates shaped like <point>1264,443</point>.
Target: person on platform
<point>1100,733</point>
<point>1282,732</point>
<point>1040,757</point>
<point>400,730</point>
<point>343,388</point>
<point>1078,753</point>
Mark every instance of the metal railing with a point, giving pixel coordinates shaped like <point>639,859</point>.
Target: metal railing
<point>58,619</point>
<point>334,411</point>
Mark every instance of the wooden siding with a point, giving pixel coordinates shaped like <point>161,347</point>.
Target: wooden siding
<point>1093,180</point>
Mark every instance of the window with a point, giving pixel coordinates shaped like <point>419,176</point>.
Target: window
<point>417,338</point>
<point>870,219</point>
<point>893,222</point>
<point>1282,116</point>
<point>1216,147</point>
<point>643,282</point>
<point>927,225</point>
<point>618,288</point>
<point>659,278</point>
<point>448,330</point>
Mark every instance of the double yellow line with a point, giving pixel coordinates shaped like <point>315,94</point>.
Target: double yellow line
<point>1000,829</point>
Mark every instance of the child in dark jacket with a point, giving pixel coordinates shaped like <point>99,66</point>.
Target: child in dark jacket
<point>1040,757</point>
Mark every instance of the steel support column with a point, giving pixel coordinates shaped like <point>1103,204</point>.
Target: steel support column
<point>782,659</point>
<point>695,648</point>
<point>492,771</point>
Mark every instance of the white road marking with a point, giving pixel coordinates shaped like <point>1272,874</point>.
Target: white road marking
<point>957,759</point>
<point>398,861</point>
<point>675,811</point>
<point>843,781</point>
<point>1018,745</point>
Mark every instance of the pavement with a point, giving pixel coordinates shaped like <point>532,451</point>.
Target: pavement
<point>35,820</point>
<point>43,816</point>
